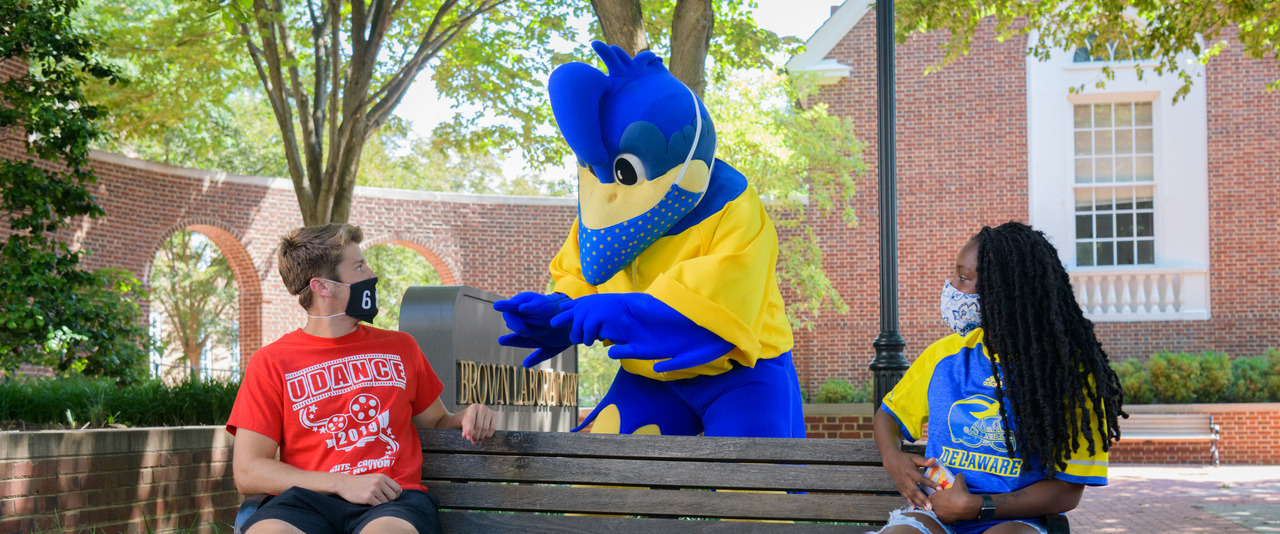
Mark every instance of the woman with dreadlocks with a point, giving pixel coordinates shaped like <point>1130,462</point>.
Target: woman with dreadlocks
<point>1022,401</point>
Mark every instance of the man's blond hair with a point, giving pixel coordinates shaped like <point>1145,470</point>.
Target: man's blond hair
<point>313,252</point>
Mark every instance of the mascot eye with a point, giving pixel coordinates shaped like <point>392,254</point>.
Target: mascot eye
<point>627,170</point>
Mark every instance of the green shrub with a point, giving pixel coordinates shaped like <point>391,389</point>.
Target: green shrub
<point>1215,378</point>
<point>73,402</point>
<point>1208,377</point>
<point>1249,378</point>
<point>835,391</point>
<point>1273,375</point>
<point>1134,381</point>
<point>1171,376</point>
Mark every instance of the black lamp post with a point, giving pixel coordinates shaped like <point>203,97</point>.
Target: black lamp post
<point>889,364</point>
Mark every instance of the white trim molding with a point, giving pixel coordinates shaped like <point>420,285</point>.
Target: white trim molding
<point>1123,294</point>
<point>816,49</point>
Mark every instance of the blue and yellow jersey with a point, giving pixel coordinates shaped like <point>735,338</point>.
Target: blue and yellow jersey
<point>715,267</point>
<point>951,387</point>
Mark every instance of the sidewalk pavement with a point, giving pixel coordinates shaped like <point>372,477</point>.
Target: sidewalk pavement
<point>1151,499</point>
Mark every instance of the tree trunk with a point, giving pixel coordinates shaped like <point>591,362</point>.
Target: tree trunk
<point>691,28</point>
<point>192,352</point>
<point>623,24</point>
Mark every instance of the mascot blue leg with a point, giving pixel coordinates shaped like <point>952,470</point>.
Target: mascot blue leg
<point>750,402</point>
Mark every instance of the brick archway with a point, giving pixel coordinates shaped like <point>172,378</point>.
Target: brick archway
<point>437,262</point>
<point>248,285</point>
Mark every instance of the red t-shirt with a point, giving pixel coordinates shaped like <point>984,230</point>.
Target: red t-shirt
<point>341,405</point>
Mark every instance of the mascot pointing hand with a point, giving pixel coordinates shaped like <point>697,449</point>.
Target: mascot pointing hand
<point>671,262</point>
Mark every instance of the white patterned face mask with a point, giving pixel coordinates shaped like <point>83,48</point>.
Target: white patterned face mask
<point>960,310</point>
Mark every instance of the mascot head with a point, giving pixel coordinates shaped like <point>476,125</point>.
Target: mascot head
<point>645,146</point>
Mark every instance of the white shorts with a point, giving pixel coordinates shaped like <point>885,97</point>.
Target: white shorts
<point>900,517</point>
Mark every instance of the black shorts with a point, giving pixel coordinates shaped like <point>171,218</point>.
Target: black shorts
<point>317,513</point>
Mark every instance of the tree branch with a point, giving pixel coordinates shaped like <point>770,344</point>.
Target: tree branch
<point>306,115</point>
<point>320,82</point>
<point>272,83</point>
<point>429,48</point>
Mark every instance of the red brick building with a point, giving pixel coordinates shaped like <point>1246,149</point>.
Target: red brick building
<point>1165,215</point>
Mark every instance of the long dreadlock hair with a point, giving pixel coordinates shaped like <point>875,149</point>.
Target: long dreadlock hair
<point>1050,361</point>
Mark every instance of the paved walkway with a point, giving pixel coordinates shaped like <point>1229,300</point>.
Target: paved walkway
<point>1143,499</point>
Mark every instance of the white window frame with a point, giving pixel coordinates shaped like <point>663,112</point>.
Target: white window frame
<point>1176,287</point>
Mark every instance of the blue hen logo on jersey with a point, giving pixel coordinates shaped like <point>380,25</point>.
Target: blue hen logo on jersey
<point>975,422</point>
<point>645,147</point>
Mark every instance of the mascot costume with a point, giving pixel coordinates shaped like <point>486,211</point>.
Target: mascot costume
<point>671,262</point>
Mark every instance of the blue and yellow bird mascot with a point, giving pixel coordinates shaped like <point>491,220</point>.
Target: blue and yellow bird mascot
<point>671,261</point>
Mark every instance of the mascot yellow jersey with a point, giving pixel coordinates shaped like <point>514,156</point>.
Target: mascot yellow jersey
<point>708,272</point>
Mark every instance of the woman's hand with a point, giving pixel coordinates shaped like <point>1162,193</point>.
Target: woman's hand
<point>956,503</point>
<point>904,469</point>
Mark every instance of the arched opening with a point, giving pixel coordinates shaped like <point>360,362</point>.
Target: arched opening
<point>399,265</point>
<point>205,304</point>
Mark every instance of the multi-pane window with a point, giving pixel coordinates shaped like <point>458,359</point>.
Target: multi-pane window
<point>1114,184</point>
<point>1108,50</point>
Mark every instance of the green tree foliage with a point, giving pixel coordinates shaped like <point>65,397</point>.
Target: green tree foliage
<point>195,291</point>
<point>398,268</point>
<point>595,373</point>
<point>395,157</point>
<point>334,73</point>
<point>1166,30</point>
<point>55,313</point>
<point>802,160</point>
<point>190,100</point>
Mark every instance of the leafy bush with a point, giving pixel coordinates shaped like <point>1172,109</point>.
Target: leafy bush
<point>1273,375</point>
<point>835,390</point>
<point>1209,377</point>
<point>1134,381</point>
<point>74,402</point>
<point>1249,377</point>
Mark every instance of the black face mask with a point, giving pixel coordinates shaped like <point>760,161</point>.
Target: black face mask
<point>363,304</point>
<point>364,300</point>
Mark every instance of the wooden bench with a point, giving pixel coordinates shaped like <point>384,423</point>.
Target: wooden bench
<point>1172,427</point>
<point>659,484</point>
<point>536,481</point>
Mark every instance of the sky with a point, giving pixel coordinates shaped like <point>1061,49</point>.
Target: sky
<point>799,18</point>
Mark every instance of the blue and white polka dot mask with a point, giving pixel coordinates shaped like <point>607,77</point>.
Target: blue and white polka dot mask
<point>960,310</point>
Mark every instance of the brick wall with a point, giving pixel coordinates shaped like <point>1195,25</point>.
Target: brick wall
<point>165,479</point>
<point>961,156</point>
<point>962,160</point>
<point>1250,433</point>
<point>135,480</point>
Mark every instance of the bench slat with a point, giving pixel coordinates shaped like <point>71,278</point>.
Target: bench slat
<point>624,472</point>
<point>671,504</point>
<point>459,522</point>
<point>696,448</point>
<point>1167,426</point>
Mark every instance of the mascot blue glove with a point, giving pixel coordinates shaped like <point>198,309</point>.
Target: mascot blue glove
<point>529,316</point>
<point>671,260</point>
<point>641,327</point>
